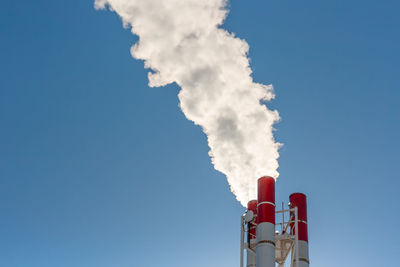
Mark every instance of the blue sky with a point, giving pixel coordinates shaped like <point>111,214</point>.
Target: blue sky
<point>97,169</point>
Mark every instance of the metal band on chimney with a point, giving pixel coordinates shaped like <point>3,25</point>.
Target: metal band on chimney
<point>266,202</point>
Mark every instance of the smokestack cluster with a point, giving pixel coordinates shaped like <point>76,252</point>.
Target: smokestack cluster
<point>269,245</point>
<point>182,42</point>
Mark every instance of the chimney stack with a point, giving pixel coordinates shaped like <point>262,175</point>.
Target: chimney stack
<point>265,250</point>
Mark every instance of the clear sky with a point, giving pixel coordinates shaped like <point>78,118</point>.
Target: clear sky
<point>98,170</point>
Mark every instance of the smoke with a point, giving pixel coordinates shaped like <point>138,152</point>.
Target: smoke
<point>181,41</point>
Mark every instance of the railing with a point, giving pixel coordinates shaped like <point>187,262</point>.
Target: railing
<point>283,237</point>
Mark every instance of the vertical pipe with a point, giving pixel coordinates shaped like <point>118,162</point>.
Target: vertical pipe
<point>265,250</point>
<point>296,226</point>
<point>299,201</point>
<point>251,257</point>
<point>283,218</point>
<point>241,240</point>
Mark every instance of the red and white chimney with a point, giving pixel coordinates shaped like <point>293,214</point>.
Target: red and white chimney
<point>299,200</point>
<point>265,250</point>
<point>252,241</point>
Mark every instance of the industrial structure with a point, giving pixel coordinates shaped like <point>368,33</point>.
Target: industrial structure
<point>267,242</point>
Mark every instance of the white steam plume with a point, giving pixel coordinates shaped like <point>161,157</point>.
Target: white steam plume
<point>181,42</point>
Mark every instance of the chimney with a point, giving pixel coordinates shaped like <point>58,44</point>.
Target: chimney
<point>265,250</point>
<point>299,200</point>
